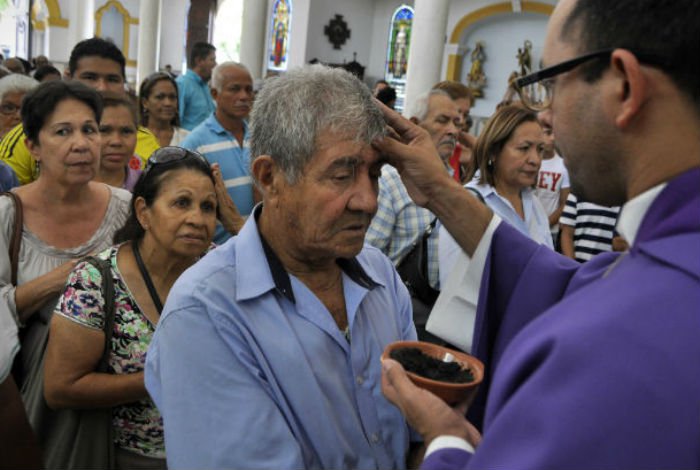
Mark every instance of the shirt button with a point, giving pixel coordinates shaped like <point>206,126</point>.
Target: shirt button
<point>374,438</point>
<point>359,380</point>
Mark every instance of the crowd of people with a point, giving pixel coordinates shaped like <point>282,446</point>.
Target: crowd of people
<point>218,272</point>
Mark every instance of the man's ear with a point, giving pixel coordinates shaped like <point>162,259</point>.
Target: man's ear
<point>214,93</point>
<point>268,176</point>
<point>632,90</point>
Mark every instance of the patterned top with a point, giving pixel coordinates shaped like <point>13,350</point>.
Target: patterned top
<point>594,226</point>
<point>138,426</point>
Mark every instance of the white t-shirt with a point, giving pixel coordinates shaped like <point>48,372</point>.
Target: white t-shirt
<point>552,179</point>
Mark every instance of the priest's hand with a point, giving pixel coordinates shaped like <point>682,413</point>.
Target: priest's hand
<point>424,411</point>
<point>412,152</point>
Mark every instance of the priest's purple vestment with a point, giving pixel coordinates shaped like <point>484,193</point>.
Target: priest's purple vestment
<point>593,366</point>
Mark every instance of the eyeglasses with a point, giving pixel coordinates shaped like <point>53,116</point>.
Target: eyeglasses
<point>172,154</point>
<point>8,109</point>
<point>536,89</point>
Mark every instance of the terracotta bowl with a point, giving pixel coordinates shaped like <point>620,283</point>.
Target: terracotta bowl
<point>451,393</point>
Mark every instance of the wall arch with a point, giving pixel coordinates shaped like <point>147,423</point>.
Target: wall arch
<point>454,61</point>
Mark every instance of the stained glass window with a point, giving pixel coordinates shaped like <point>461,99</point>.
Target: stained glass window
<point>397,51</point>
<point>278,52</point>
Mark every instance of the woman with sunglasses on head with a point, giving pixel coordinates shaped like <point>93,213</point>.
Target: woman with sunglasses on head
<point>170,226</point>
<point>158,109</point>
<point>119,166</point>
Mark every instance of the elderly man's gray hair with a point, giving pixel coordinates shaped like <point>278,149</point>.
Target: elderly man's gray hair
<point>422,104</point>
<point>217,75</point>
<point>16,82</point>
<point>291,112</point>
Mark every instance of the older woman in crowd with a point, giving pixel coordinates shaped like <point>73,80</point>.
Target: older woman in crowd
<point>508,153</point>
<point>158,107</point>
<point>119,166</point>
<point>66,214</point>
<point>171,224</point>
<point>12,89</point>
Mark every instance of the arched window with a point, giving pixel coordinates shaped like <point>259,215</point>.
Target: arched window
<point>397,51</point>
<point>278,44</point>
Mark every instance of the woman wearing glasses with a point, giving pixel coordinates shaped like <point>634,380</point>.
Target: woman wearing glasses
<point>12,89</point>
<point>159,110</point>
<point>170,226</point>
<point>508,153</point>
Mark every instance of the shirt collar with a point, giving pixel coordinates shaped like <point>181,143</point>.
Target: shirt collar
<point>216,126</point>
<point>280,277</point>
<point>633,213</point>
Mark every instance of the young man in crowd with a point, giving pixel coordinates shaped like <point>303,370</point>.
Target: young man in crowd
<point>99,64</point>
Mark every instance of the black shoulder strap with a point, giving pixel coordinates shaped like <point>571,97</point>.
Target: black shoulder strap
<point>104,266</point>
<point>477,194</point>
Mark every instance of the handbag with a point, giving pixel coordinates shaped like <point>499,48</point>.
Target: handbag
<point>413,268</point>
<point>74,438</point>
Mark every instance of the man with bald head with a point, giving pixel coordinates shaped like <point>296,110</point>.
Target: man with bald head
<point>588,366</point>
<point>223,136</point>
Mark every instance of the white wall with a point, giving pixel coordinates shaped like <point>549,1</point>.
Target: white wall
<point>358,16</point>
<point>172,34</point>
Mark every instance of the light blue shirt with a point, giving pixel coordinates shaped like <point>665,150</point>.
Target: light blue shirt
<point>220,146</point>
<point>249,369</point>
<point>194,100</point>
<point>8,179</point>
<point>535,225</point>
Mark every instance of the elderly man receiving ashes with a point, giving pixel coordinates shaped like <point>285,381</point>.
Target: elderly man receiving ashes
<point>591,366</point>
<point>267,353</point>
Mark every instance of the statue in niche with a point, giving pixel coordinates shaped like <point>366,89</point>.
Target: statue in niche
<point>476,76</point>
<point>525,58</point>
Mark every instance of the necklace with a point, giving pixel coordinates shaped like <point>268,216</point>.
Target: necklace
<point>147,278</point>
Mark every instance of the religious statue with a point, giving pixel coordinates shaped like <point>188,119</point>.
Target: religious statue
<point>280,32</point>
<point>400,51</point>
<point>525,58</point>
<point>476,77</point>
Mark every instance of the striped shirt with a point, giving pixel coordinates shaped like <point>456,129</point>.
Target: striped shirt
<point>594,226</point>
<point>219,146</point>
<point>399,223</point>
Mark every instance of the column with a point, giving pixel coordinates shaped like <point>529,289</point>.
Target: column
<point>82,17</point>
<point>253,36</point>
<point>148,39</point>
<point>427,46</point>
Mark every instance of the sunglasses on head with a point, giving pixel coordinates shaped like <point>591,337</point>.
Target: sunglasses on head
<point>166,155</point>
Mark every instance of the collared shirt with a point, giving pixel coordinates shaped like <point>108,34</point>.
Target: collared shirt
<point>535,225</point>
<point>249,369</point>
<point>220,146</point>
<point>15,153</point>
<point>400,222</point>
<point>194,100</point>
<point>631,217</point>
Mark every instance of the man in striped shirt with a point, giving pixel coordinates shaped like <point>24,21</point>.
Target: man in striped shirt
<point>223,137</point>
<point>588,229</point>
